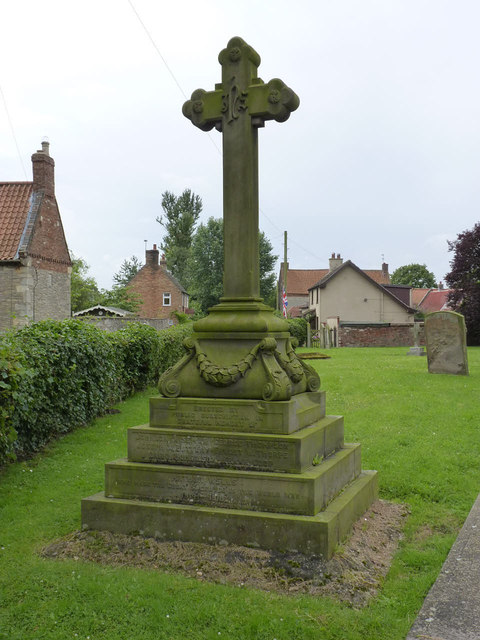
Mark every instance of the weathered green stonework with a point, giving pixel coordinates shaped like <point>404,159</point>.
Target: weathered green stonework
<point>238,448</point>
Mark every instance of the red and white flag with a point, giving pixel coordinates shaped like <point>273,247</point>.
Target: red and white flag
<point>284,302</point>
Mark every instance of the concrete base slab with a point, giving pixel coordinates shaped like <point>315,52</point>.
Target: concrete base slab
<point>318,534</point>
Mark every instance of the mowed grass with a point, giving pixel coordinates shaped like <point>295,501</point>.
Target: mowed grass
<point>420,431</point>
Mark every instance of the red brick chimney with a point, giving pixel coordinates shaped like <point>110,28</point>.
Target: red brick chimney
<point>44,171</point>
<point>163,261</point>
<point>385,273</point>
<point>151,257</point>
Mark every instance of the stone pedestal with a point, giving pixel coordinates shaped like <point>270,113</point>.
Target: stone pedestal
<point>238,448</point>
<point>275,475</point>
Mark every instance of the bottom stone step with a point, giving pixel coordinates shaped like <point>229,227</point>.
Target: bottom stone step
<point>317,534</point>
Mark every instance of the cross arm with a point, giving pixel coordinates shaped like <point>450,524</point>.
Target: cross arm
<point>204,108</point>
<point>271,101</point>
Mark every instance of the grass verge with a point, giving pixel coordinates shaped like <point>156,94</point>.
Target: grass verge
<point>420,431</point>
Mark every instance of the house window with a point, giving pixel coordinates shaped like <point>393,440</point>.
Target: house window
<point>317,294</point>
<point>167,299</point>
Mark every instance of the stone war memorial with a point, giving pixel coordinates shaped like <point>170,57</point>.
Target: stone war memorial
<point>446,339</point>
<point>238,449</point>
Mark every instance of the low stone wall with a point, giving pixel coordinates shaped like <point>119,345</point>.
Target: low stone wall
<point>114,324</point>
<point>375,336</point>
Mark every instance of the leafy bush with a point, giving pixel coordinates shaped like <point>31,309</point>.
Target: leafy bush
<point>298,329</point>
<point>10,375</point>
<point>70,375</point>
<point>138,347</point>
<point>55,376</point>
<point>171,345</point>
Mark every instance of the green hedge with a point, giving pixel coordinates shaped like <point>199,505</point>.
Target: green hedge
<point>298,329</point>
<point>55,376</point>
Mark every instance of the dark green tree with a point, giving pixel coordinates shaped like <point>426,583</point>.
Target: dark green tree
<point>181,214</point>
<point>84,289</point>
<point>464,280</point>
<point>205,267</point>
<point>413,275</point>
<point>121,297</point>
<point>268,279</point>
<point>127,270</point>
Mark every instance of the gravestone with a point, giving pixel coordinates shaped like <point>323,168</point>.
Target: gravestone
<point>416,350</point>
<point>446,340</point>
<point>238,448</point>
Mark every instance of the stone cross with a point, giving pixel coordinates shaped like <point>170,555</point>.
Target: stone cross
<point>237,107</point>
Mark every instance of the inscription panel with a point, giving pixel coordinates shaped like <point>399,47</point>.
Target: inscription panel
<point>254,416</point>
<point>256,494</point>
<point>211,451</point>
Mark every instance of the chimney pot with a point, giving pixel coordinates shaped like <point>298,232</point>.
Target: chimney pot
<point>43,167</point>
<point>151,257</point>
<point>335,262</point>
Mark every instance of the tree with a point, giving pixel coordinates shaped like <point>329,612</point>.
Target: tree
<point>84,289</point>
<point>414,275</point>
<point>268,279</point>
<point>127,270</point>
<point>121,297</point>
<point>205,267</point>
<point>181,216</point>
<point>464,279</point>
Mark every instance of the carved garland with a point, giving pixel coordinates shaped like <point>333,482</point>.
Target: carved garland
<point>294,368</point>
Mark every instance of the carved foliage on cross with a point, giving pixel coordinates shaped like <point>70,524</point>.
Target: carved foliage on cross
<point>241,92</point>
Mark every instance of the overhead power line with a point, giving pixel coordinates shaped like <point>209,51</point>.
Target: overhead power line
<point>154,44</point>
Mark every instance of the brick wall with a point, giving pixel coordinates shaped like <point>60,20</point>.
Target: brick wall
<point>365,336</point>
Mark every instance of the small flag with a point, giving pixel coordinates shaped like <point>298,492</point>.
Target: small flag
<point>284,303</point>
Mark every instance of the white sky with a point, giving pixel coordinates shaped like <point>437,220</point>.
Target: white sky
<point>381,158</point>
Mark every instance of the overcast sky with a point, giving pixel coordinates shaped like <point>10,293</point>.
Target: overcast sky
<point>382,158</point>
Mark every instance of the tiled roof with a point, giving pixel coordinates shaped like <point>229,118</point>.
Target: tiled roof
<point>418,295</point>
<point>377,275</point>
<point>300,280</point>
<point>435,300</point>
<point>14,206</point>
<point>380,277</point>
<point>349,264</point>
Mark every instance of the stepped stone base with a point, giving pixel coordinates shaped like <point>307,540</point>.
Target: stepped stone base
<point>317,534</point>
<point>289,453</point>
<point>271,474</point>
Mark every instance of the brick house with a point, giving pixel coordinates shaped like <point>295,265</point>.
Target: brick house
<point>160,292</point>
<point>35,265</point>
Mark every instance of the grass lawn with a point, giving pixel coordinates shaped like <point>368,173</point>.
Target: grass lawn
<point>420,431</point>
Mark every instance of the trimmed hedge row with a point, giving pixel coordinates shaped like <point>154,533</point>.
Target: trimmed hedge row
<point>55,376</point>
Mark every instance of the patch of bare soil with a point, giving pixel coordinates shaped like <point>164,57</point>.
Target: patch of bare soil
<point>353,575</point>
